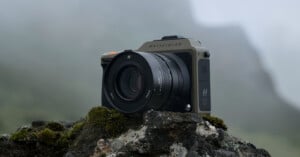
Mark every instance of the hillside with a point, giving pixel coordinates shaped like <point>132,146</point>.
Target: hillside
<point>239,78</point>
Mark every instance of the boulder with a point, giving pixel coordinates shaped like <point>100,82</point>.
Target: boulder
<point>106,132</point>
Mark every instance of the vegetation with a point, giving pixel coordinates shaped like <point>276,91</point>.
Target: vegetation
<point>64,140</point>
<point>44,135</point>
<point>112,121</point>
<point>75,130</point>
<point>55,126</point>
<point>47,136</point>
<point>23,135</point>
<point>217,122</point>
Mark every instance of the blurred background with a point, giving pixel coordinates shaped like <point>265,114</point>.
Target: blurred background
<point>50,67</point>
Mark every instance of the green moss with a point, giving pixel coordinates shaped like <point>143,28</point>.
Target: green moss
<point>112,121</point>
<point>55,126</point>
<point>52,133</point>
<point>63,140</point>
<point>75,130</point>
<point>23,135</point>
<point>54,138</point>
<point>47,136</point>
<point>217,122</point>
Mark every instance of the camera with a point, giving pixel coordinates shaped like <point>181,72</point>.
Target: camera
<point>170,74</point>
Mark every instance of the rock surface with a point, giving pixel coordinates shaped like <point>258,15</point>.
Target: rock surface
<point>105,132</point>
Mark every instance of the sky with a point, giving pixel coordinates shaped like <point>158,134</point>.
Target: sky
<point>273,27</point>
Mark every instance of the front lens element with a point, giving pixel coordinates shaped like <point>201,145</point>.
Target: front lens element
<point>129,83</point>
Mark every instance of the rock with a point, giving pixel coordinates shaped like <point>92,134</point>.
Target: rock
<point>4,137</point>
<point>105,132</point>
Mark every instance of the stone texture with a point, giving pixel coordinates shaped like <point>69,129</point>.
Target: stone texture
<point>164,134</point>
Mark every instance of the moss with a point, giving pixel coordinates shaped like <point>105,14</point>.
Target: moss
<point>112,121</point>
<point>217,122</point>
<point>55,126</point>
<point>47,136</point>
<point>23,135</point>
<point>75,130</point>
<point>63,140</point>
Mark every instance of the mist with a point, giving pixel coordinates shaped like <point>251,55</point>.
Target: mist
<point>50,54</point>
<point>50,63</point>
<point>272,27</point>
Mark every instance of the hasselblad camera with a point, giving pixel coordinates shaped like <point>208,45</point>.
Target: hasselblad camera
<point>169,74</point>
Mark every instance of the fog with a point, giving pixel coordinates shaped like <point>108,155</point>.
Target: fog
<point>50,67</point>
<point>272,26</point>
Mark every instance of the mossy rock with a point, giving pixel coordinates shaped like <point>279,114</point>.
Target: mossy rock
<point>55,126</point>
<point>47,136</point>
<point>64,140</point>
<point>53,138</point>
<point>75,130</point>
<point>215,121</point>
<point>110,120</point>
<point>23,135</point>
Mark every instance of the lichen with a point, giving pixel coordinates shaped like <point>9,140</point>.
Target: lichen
<point>23,135</point>
<point>112,121</point>
<point>55,126</point>
<point>215,121</point>
<point>47,136</point>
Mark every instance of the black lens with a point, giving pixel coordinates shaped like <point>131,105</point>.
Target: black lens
<point>137,81</point>
<point>129,83</point>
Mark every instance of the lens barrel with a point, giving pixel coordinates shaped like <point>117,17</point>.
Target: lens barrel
<point>137,81</point>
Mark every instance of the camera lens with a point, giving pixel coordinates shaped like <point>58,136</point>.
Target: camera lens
<point>129,83</point>
<point>138,81</point>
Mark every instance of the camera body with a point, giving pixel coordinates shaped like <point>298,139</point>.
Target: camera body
<point>171,74</point>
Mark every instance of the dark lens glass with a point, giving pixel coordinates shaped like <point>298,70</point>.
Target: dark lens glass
<point>129,83</point>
